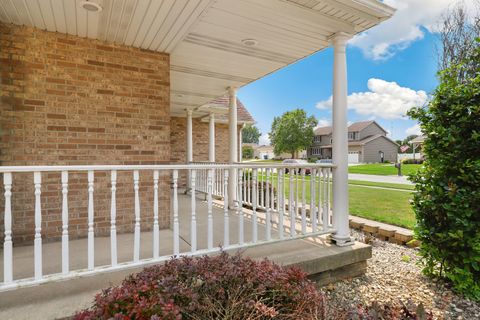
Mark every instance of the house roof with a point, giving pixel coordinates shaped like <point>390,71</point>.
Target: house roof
<point>354,127</point>
<point>419,139</point>
<point>364,141</point>
<point>243,116</point>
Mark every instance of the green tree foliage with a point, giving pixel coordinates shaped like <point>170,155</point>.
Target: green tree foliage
<point>447,201</point>
<point>292,132</point>
<point>247,152</point>
<point>250,134</point>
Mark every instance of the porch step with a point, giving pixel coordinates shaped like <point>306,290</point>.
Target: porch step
<point>323,261</point>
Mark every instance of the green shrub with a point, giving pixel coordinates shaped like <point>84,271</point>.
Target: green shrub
<point>247,152</point>
<point>447,201</point>
<point>412,161</point>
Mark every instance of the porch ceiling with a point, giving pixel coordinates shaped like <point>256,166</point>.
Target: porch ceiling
<point>205,37</point>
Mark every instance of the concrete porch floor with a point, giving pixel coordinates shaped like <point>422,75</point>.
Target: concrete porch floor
<point>323,261</point>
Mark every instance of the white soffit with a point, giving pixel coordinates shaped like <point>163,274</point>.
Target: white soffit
<point>205,37</point>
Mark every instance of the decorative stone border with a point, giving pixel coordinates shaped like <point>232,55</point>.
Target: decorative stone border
<point>384,231</point>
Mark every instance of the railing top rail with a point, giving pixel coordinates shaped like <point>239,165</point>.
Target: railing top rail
<point>4,169</point>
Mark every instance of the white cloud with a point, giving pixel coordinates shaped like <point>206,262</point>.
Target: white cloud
<point>264,140</point>
<point>385,99</point>
<point>323,122</point>
<point>414,130</point>
<point>324,105</point>
<point>405,27</point>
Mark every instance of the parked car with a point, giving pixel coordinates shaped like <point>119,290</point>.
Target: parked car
<point>296,161</point>
<point>324,161</point>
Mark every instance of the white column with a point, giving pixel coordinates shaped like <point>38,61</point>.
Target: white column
<point>240,144</point>
<point>340,141</point>
<point>189,136</point>
<point>211,137</point>
<point>232,124</point>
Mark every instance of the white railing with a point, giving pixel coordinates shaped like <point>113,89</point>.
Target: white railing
<point>201,184</point>
<point>270,197</point>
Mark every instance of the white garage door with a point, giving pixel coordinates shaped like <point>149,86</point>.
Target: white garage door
<point>353,157</point>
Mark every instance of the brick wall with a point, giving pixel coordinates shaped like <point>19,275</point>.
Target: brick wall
<point>69,100</point>
<point>178,140</point>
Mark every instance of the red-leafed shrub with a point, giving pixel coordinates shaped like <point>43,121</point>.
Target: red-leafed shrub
<point>219,287</point>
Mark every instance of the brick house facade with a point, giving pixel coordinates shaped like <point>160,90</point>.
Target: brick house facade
<point>67,100</point>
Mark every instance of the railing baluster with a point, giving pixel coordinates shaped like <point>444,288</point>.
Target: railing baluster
<point>209,209</point>
<point>281,201</point>
<point>156,228</point>
<point>262,194</point>
<point>272,193</point>
<point>249,186</point>
<point>240,208</point>
<point>176,227</point>
<point>291,206</point>
<point>304,208</point>
<point>90,241</point>
<point>313,209</point>
<point>7,244</point>
<point>136,240</point>
<point>193,223</point>
<point>328,196</point>
<point>37,180</point>
<point>297,176</point>
<point>319,191</point>
<point>254,206</point>
<point>113,218</point>
<point>268,213</point>
<point>226,233</point>
<point>65,254</point>
<point>325,213</point>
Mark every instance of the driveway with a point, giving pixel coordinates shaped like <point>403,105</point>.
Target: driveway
<point>377,178</point>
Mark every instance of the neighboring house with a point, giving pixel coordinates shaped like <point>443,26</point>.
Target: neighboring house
<point>265,152</point>
<point>367,142</point>
<point>417,144</point>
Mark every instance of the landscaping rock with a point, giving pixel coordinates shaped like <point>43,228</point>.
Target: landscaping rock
<point>393,275</point>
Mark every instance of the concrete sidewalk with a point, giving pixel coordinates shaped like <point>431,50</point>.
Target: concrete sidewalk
<point>378,178</point>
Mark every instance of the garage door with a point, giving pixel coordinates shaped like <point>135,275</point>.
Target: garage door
<point>353,157</point>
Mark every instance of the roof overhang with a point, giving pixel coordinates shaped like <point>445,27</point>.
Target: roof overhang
<point>208,41</point>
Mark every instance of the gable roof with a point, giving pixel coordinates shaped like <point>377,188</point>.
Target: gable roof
<point>354,127</point>
<point>419,139</point>
<point>242,113</point>
<point>365,141</point>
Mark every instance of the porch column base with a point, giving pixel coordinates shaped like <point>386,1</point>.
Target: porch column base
<point>341,241</point>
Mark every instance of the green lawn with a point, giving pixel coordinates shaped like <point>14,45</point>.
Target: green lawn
<point>382,184</point>
<point>384,169</point>
<point>386,205</point>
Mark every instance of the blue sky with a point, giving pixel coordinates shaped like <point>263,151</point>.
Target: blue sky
<point>387,74</point>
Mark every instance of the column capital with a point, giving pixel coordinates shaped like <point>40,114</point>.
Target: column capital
<point>189,111</point>
<point>232,90</point>
<point>339,38</point>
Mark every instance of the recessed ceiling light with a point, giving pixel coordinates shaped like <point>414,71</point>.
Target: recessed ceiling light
<point>91,6</point>
<point>250,42</point>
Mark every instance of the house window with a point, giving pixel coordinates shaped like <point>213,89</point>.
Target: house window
<point>352,136</point>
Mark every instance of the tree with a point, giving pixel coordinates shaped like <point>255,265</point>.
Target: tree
<point>458,30</point>
<point>247,152</point>
<point>447,201</point>
<point>250,134</point>
<point>292,132</point>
